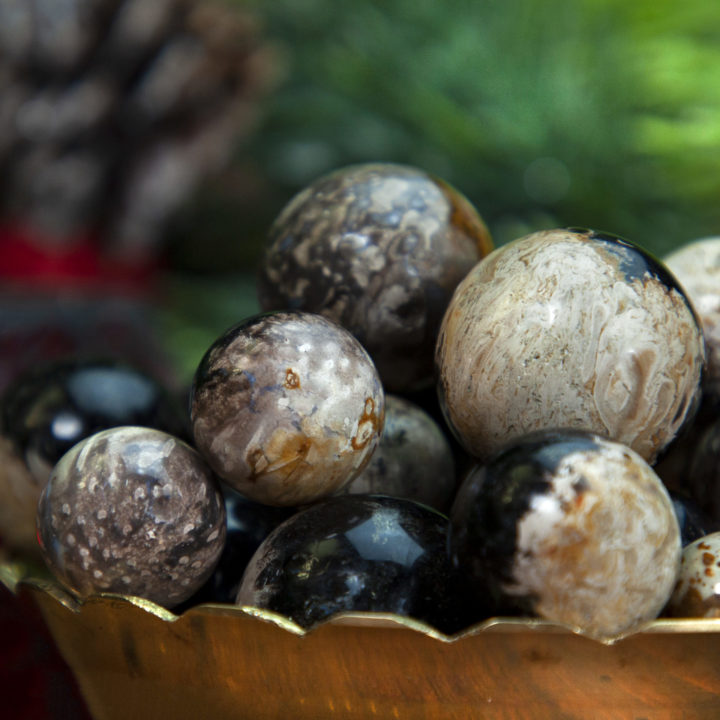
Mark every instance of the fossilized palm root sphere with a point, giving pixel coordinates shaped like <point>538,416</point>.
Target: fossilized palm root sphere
<point>569,329</point>
<point>287,407</point>
<point>379,248</point>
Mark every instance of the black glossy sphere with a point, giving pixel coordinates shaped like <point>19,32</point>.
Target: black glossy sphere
<point>358,553</point>
<point>49,409</point>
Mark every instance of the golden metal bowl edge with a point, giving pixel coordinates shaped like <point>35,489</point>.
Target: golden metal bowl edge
<point>134,659</point>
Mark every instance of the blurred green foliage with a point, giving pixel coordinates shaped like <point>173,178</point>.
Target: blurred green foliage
<point>596,113</point>
<point>545,113</point>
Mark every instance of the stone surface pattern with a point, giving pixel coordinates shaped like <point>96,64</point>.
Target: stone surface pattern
<point>413,459</point>
<point>378,248</point>
<point>134,511</point>
<point>573,528</point>
<point>574,329</point>
<point>287,407</point>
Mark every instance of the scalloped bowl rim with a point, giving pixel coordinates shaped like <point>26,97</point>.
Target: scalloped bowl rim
<point>11,576</point>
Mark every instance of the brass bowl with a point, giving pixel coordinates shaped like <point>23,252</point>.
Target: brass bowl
<point>134,659</point>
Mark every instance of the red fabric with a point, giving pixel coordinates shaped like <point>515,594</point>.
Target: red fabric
<point>78,262</point>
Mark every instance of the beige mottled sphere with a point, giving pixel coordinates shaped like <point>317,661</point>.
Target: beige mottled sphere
<point>697,268</point>
<point>287,407</point>
<point>569,328</point>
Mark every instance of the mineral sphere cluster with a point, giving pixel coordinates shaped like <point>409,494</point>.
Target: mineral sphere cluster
<point>304,479</point>
<point>379,248</point>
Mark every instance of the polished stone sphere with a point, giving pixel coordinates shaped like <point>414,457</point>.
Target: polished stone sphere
<point>378,248</point>
<point>287,407</point>
<point>697,593</point>
<point>413,460</point>
<point>47,409</point>
<point>135,511</point>
<point>569,328</point>
<point>358,553</point>
<point>570,527</point>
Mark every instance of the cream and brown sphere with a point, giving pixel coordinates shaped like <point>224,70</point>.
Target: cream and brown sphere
<point>571,527</point>
<point>696,265</point>
<point>569,328</point>
<point>379,248</point>
<point>287,407</point>
<point>135,511</point>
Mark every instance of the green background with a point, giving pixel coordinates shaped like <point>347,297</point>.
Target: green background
<point>544,113</point>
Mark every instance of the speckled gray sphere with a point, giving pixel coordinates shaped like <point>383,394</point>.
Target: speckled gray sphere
<point>569,328</point>
<point>414,459</point>
<point>697,268</point>
<point>287,407</point>
<point>378,248</point>
<point>134,511</point>
<point>571,527</point>
<point>697,592</point>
